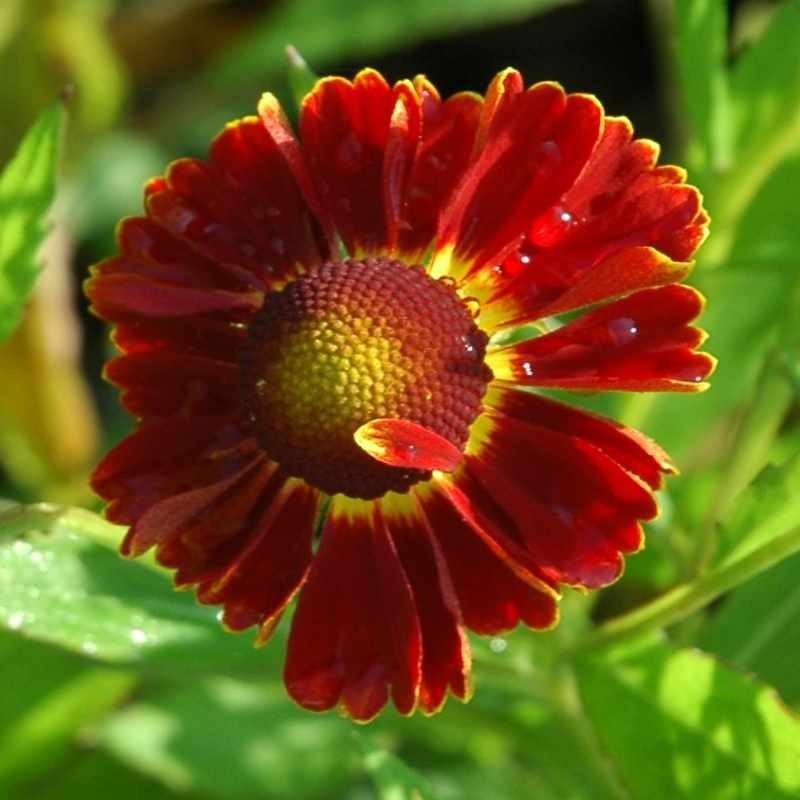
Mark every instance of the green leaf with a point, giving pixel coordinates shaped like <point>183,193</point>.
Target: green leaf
<point>766,87</point>
<point>766,530</point>
<point>679,724</point>
<point>301,78</point>
<point>393,778</point>
<point>227,738</point>
<point>27,188</point>
<point>768,510</point>
<point>60,585</point>
<point>756,629</point>
<point>85,773</point>
<point>330,31</point>
<point>701,51</point>
<point>60,694</point>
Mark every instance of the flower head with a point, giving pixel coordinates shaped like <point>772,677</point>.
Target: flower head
<point>328,315</point>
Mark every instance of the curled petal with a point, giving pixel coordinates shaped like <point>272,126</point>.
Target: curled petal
<point>402,443</point>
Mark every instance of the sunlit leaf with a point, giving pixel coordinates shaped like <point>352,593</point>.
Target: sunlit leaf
<point>226,738</point>
<point>677,723</point>
<point>62,586</point>
<point>27,187</point>
<point>756,629</point>
<point>59,695</point>
<point>393,778</point>
<point>765,86</point>
<point>701,53</point>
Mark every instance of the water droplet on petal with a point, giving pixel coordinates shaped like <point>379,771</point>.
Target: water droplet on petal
<point>220,615</point>
<point>549,228</point>
<point>527,368</point>
<point>448,280</point>
<point>622,330</point>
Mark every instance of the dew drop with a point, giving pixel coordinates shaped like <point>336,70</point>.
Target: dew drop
<point>273,211</point>
<point>220,615</point>
<point>138,636</point>
<point>622,330</point>
<point>524,258</point>
<point>527,368</point>
<point>498,645</point>
<point>469,347</point>
<point>549,228</point>
<point>448,280</point>
<point>88,647</point>
<point>16,620</point>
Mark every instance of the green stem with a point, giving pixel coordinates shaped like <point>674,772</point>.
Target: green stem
<point>748,452</point>
<point>684,600</point>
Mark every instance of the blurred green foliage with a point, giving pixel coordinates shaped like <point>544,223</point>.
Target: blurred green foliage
<point>679,681</point>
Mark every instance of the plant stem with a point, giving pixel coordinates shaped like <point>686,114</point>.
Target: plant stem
<point>684,600</point>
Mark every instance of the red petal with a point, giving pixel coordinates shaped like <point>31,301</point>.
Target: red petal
<point>216,339</point>
<point>492,597</point>
<point>355,633</point>
<point>640,343</point>
<point>167,456</point>
<point>162,384</point>
<point>620,205</point>
<point>360,139</point>
<point>627,271</point>
<point>445,150</point>
<point>534,151</point>
<point>573,506</point>
<point>256,585</point>
<point>629,448</point>
<point>401,443</point>
<point>241,207</point>
<point>211,508</point>
<point>445,647</point>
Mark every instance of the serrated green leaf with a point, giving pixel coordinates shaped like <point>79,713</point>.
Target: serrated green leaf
<point>227,738</point>
<point>27,188</point>
<point>58,584</point>
<point>701,51</point>
<point>327,31</point>
<point>677,723</point>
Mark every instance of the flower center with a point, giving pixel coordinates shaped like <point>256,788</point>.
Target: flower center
<point>352,341</point>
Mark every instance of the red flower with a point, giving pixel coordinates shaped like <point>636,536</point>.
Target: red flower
<point>307,318</point>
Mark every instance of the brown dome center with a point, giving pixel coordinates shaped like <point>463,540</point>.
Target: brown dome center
<point>352,341</point>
